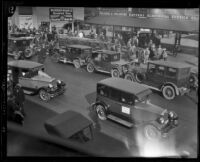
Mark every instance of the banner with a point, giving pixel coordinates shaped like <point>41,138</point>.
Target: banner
<point>60,14</point>
<point>25,21</point>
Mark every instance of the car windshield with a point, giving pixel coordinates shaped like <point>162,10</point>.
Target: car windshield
<point>144,99</point>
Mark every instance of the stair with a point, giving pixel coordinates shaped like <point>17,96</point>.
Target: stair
<point>121,121</point>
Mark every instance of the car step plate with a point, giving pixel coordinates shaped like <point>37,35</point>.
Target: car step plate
<point>28,92</point>
<point>121,121</point>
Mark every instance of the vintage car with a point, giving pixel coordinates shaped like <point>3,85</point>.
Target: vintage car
<point>108,62</point>
<point>128,103</point>
<point>79,55</point>
<point>35,81</point>
<point>70,125</point>
<point>19,47</point>
<point>171,78</point>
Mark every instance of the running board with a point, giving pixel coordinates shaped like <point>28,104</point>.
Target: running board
<point>65,61</point>
<point>28,92</point>
<point>121,121</point>
<point>103,71</point>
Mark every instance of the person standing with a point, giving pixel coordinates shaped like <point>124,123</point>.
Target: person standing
<point>146,55</point>
<point>19,97</point>
<point>159,52</point>
<point>42,54</point>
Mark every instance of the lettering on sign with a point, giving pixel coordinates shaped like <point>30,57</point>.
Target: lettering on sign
<point>126,110</point>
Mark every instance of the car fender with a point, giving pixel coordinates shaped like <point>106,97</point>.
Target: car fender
<point>45,88</point>
<point>171,84</point>
<point>102,103</point>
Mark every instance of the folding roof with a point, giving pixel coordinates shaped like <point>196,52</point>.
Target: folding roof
<point>152,23</point>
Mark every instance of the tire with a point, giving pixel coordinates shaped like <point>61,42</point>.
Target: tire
<point>129,77</point>
<point>115,73</point>
<point>168,92</point>
<point>76,63</point>
<point>90,68</point>
<point>101,112</point>
<point>139,77</point>
<point>28,53</point>
<point>44,95</point>
<point>192,79</point>
<point>151,132</point>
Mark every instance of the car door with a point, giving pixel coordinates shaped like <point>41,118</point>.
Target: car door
<point>106,62</point>
<point>155,75</point>
<point>119,106</point>
<point>25,79</point>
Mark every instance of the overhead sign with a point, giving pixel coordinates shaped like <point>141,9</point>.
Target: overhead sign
<point>143,13</point>
<point>60,14</point>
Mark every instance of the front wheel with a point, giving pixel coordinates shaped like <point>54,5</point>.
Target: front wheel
<point>76,63</point>
<point>168,92</point>
<point>90,68</point>
<point>151,132</point>
<point>44,95</point>
<point>101,112</point>
<point>115,73</point>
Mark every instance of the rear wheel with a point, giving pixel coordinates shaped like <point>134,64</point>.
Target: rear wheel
<point>139,77</point>
<point>129,77</point>
<point>151,132</point>
<point>101,112</point>
<point>44,95</point>
<point>76,63</point>
<point>168,92</point>
<point>90,68</point>
<point>115,73</point>
<point>28,53</point>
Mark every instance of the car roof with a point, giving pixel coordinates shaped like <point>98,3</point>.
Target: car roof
<point>106,51</point>
<point>24,64</point>
<point>127,86</point>
<point>170,64</point>
<point>21,38</point>
<point>68,123</point>
<point>78,46</point>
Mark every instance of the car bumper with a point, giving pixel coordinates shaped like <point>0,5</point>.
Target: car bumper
<point>57,92</point>
<point>183,90</point>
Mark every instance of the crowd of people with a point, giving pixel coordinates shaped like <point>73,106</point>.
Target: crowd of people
<point>138,48</point>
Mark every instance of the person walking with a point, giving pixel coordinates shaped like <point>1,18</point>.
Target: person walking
<point>42,54</point>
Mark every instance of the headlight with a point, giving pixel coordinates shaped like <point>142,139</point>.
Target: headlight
<point>50,86</point>
<point>59,81</point>
<point>162,120</point>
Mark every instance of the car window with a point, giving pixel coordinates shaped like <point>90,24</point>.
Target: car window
<point>103,90</point>
<point>152,68</point>
<point>127,98</point>
<point>171,72</point>
<point>115,57</point>
<point>160,70</point>
<point>25,73</point>
<point>115,94</point>
<point>105,57</point>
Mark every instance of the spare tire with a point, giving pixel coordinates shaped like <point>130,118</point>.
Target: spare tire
<point>140,77</point>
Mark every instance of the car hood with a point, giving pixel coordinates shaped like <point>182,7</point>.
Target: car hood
<point>43,77</point>
<point>149,107</point>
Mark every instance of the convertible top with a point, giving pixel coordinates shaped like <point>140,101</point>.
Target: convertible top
<point>24,64</point>
<point>67,124</point>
